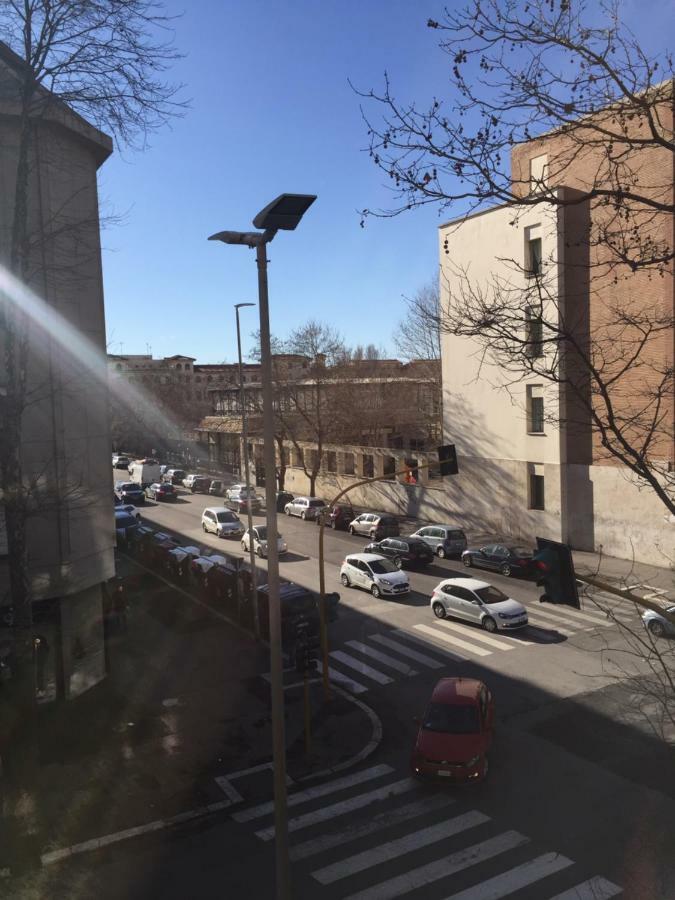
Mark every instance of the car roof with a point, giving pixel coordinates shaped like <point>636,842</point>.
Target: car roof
<point>459,691</point>
<point>217,509</point>
<point>440,525</point>
<point>472,584</point>
<point>365,557</point>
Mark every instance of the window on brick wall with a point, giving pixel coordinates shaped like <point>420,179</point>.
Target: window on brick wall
<point>535,408</point>
<point>368,466</point>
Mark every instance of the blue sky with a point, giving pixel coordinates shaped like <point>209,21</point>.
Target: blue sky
<point>271,111</point>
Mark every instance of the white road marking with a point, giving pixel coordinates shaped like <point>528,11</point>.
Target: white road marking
<point>381,657</point>
<point>571,614</point>
<point>550,625</point>
<point>342,807</point>
<point>593,889</point>
<point>519,877</point>
<point>228,789</point>
<point>558,618</point>
<point>441,636</point>
<point>421,658</point>
<point>457,657</point>
<point>361,667</point>
<point>441,868</point>
<point>319,790</point>
<point>383,820</point>
<point>475,634</point>
<point>348,682</point>
<point>423,837</point>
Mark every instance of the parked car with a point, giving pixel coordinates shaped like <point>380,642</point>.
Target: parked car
<point>201,484</point>
<point>305,507</point>
<point>237,491</point>
<point>222,522</point>
<point>189,480</point>
<point>283,497</point>
<point>159,492</point>
<point>128,508</point>
<point>375,525</point>
<point>455,733</point>
<point>173,476</point>
<point>129,492</point>
<point>240,505</point>
<point>125,525</point>
<point>444,540</point>
<point>479,603</point>
<point>121,462</point>
<point>259,536</point>
<point>375,574</point>
<point>659,625</point>
<point>509,559</point>
<point>338,516</point>
<point>216,487</point>
<point>403,551</point>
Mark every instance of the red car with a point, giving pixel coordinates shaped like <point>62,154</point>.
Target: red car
<point>455,732</point>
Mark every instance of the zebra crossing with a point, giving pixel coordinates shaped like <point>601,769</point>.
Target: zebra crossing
<point>389,840</point>
<point>383,658</point>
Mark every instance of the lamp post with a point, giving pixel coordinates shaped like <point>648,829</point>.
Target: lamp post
<point>249,515</point>
<point>283,213</point>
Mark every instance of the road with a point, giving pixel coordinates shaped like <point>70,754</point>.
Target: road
<point>579,802</point>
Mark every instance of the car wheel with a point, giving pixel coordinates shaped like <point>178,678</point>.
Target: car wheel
<point>489,624</point>
<point>656,628</point>
<point>287,511</point>
<point>260,553</point>
<point>439,610</point>
<point>398,562</point>
<point>243,546</point>
<point>441,553</point>
<point>303,515</point>
<point>375,591</point>
<point>505,570</point>
<point>468,562</point>
<point>345,580</point>
<point>203,527</point>
<point>351,529</point>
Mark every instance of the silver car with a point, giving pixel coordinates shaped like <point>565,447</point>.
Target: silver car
<point>659,625</point>
<point>305,507</point>
<point>221,521</point>
<point>375,574</point>
<point>477,602</point>
<point>444,540</point>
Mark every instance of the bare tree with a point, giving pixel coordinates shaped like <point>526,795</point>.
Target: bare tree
<point>417,335</point>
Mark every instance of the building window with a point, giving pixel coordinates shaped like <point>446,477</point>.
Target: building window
<point>389,467</point>
<point>330,461</point>
<point>539,173</point>
<point>535,408</point>
<point>178,366</point>
<point>350,468</point>
<point>368,466</point>
<point>533,265</point>
<point>536,487</point>
<point>534,333</point>
<point>297,457</point>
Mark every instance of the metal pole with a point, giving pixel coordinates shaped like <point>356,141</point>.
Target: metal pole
<point>323,625</point>
<point>244,432</point>
<point>308,717</point>
<point>276,662</point>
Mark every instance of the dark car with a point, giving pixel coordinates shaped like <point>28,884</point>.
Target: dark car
<point>240,505</point>
<point>338,516</point>
<point>125,525</point>
<point>283,497</point>
<point>298,604</point>
<point>509,559</point>
<point>129,492</point>
<point>403,551</point>
<point>201,485</point>
<point>161,492</point>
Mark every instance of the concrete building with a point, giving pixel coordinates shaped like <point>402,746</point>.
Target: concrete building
<point>65,442</point>
<point>532,459</point>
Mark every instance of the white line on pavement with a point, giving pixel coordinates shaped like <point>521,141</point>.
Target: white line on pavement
<point>320,790</point>
<point>423,837</point>
<point>383,820</point>
<point>228,789</point>
<point>550,625</point>
<point>515,879</point>
<point>457,657</point>
<point>353,686</point>
<point>342,807</point>
<point>558,619</point>
<point>571,614</point>
<point>421,658</point>
<point>381,657</point>
<point>361,667</point>
<point>593,889</point>
<point>441,868</point>
<point>440,636</point>
<point>474,634</point>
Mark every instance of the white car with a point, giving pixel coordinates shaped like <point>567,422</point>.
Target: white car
<point>188,481</point>
<point>221,521</point>
<point>477,602</point>
<point>375,574</point>
<point>260,541</point>
<point>305,507</point>
<point>240,492</point>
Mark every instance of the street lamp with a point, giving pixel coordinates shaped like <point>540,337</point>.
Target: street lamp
<point>249,515</point>
<point>283,213</point>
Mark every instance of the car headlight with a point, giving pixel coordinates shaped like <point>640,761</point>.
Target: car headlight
<point>503,615</point>
<point>385,581</point>
<point>472,762</point>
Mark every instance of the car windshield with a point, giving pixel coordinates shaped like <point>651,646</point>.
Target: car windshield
<point>451,719</point>
<point>382,566</point>
<point>261,531</point>
<point>520,551</point>
<point>167,488</point>
<point>226,517</point>
<point>491,594</point>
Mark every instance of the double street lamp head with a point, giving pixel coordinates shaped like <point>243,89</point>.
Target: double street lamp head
<point>282,214</point>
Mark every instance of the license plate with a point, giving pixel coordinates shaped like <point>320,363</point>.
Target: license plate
<point>444,774</point>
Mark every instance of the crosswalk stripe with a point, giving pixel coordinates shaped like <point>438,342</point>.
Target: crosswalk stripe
<point>558,618</point>
<point>383,820</point>
<point>361,667</point>
<point>572,614</point>
<point>439,635</point>
<point>593,889</point>
<point>519,877</point>
<point>441,868</point>
<point>475,634</point>
<point>354,686</point>
<point>381,657</point>
<point>342,807</point>
<point>421,658</point>
<point>319,790</point>
<point>421,642</point>
<point>550,625</point>
<point>423,837</point>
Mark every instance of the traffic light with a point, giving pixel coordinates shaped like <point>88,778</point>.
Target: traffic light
<point>447,458</point>
<point>553,561</point>
<point>307,654</point>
